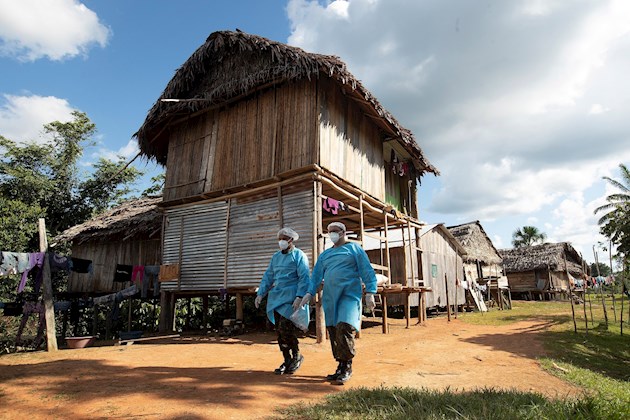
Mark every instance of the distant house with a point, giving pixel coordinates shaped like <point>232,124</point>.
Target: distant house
<point>482,258</point>
<point>483,264</point>
<point>541,270</point>
<point>127,234</point>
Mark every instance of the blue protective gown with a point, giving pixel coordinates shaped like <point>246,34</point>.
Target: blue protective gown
<point>343,269</point>
<point>286,278</point>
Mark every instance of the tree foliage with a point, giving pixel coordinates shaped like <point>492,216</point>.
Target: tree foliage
<point>527,236</point>
<point>615,223</point>
<point>44,180</point>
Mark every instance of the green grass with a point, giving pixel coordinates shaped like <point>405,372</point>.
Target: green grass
<point>598,362</point>
<point>410,403</point>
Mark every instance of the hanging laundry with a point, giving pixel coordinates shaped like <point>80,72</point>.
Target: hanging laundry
<point>9,263</point>
<point>137,274</point>
<point>58,263</point>
<point>36,260</point>
<point>151,273</point>
<point>122,273</point>
<point>331,205</point>
<point>79,265</point>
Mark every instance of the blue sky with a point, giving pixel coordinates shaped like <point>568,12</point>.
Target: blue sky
<point>520,104</point>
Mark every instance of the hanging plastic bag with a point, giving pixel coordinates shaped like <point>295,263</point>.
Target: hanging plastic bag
<point>300,317</point>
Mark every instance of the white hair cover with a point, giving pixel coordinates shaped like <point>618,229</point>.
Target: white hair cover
<point>337,224</point>
<point>287,231</point>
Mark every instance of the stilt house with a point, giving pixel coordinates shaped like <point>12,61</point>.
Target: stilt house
<point>256,135</point>
<point>541,270</point>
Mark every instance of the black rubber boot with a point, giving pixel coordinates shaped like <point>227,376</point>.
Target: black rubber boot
<point>346,373</point>
<point>334,376</point>
<point>282,369</point>
<point>295,363</point>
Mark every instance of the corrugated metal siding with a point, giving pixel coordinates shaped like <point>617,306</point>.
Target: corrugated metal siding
<point>253,229</point>
<point>251,240</point>
<point>203,246</point>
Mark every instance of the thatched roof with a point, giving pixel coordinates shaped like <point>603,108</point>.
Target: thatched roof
<point>478,245</point>
<point>139,218</point>
<point>233,64</point>
<point>541,257</point>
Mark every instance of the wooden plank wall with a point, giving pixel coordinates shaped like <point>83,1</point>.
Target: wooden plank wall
<point>439,251</point>
<point>350,144</point>
<point>251,140</point>
<point>105,256</point>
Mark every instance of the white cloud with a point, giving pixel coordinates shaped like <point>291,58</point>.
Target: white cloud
<point>497,95</point>
<point>598,109</point>
<point>22,117</point>
<point>57,29</point>
<point>126,152</point>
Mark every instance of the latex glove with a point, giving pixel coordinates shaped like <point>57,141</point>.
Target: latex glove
<point>370,303</point>
<point>306,299</point>
<point>257,301</point>
<point>297,303</point>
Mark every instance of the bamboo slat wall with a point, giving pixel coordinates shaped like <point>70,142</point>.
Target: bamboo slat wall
<point>529,280</point>
<point>104,257</point>
<point>350,145</point>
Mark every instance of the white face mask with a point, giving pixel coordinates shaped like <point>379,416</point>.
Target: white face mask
<point>334,237</point>
<point>283,244</point>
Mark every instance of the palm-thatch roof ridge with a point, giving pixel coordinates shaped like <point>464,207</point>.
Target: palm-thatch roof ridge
<point>478,245</point>
<point>542,257</point>
<point>139,218</point>
<point>253,62</point>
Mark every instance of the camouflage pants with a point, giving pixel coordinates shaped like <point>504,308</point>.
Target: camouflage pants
<point>342,341</point>
<point>287,334</point>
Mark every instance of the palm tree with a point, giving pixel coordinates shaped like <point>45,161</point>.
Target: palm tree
<point>615,202</point>
<point>527,236</point>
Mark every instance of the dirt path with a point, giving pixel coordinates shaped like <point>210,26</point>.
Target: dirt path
<point>208,378</point>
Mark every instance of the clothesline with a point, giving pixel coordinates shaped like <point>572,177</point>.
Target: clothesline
<point>25,263</point>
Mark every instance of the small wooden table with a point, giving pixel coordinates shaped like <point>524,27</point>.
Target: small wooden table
<point>407,291</point>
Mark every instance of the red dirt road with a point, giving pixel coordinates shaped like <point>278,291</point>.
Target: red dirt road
<point>211,378</point>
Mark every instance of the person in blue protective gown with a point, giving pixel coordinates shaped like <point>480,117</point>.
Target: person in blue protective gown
<point>343,268</point>
<point>285,282</point>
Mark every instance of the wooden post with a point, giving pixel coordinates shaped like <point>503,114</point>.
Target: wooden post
<point>448,305</point>
<point>164,309</point>
<point>623,288</point>
<point>318,248</point>
<point>613,280</point>
<point>601,288</point>
<point>566,270</point>
<point>407,307</point>
<point>384,303</point>
<point>239,306</point>
<point>51,334</point>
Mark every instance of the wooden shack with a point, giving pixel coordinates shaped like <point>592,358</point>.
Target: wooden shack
<point>127,234</point>
<point>541,271</point>
<point>256,135</point>
<point>483,266</point>
<point>442,262</point>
